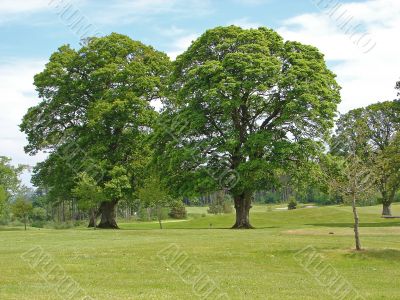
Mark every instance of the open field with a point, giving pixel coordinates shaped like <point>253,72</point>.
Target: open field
<point>251,264</point>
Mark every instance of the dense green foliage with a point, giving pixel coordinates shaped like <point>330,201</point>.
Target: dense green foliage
<point>178,210</point>
<point>94,116</point>
<point>243,105</point>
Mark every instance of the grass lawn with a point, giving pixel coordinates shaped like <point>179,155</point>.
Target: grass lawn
<point>250,264</point>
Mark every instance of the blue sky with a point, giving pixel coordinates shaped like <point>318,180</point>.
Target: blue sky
<point>359,38</point>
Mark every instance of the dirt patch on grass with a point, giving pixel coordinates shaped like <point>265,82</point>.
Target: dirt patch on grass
<point>370,231</point>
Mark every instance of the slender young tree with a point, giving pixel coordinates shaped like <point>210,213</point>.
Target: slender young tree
<point>22,209</point>
<point>154,196</point>
<point>243,103</point>
<point>351,178</point>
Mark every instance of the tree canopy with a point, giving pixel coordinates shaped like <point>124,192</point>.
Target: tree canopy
<point>243,103</point>
<point>95,113</point>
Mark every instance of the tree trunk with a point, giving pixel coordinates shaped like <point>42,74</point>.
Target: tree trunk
<point>92,218</point>
<point>356,225</point>
<point>107,210</point>
<point>242,207</point>
<point>387,209</point>
<point>387,199</point>
<point>159,215</point>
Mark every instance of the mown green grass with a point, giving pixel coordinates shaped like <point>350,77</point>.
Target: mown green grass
<point>249,264</point>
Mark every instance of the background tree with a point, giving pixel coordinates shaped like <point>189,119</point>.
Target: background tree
<point>56,175</point>
<point>379,124</point>
<point>21,209</point>
<point>153,195</point>
<point>243,104</point>
<point>10,184</point>
<point>96,111</point>
<point>9,175</point>
<point>3,200</point>
<point>89,195</point>
<point>387,171</point>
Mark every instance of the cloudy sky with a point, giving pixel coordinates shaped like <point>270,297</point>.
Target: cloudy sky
<point>360,40</point>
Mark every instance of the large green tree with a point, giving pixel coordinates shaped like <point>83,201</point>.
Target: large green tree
<point>96,111</point>
<point>380,123</point>
<point>243,103</point>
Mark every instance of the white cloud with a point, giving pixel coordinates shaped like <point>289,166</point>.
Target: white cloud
<point>130,11</point>
<point>181,44</point>
<point>18,9</point>
<point>365,77</point>
<point>17,95</point>
<point>19,6</point>
<point>245,23</point>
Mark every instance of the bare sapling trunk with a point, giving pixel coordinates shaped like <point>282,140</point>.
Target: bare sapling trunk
<point>159,215</point>
<point>108,215</point>
<point>242,207</point>
<point>356,224</point>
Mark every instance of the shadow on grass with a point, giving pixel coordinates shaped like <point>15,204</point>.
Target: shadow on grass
<point>386,254</point>
<point>350,225</point>
<point>196,228</point>
<point>12,229</point>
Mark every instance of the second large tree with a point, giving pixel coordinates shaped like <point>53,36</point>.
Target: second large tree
<point>243,103</point>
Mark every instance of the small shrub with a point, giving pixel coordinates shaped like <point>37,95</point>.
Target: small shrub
<point>227,207</point>
<point>38,214</point>
<point>178,210</point>
<point>60,225</point>
<point>221,203</point>
<point>38,224</point>
<point>215,208</point>
<point>292,203</point>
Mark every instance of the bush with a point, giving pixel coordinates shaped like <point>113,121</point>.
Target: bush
<point>178,210</point>
<point>38,224</point>
<point>221,203</point>
<point>227,207</point>
<point>292,203</point>
<point>38,214</point>
<point>59,225</point>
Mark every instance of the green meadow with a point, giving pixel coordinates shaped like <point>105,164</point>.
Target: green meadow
<point>136,261</point>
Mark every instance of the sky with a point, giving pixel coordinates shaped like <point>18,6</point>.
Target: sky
<point>360,40</point>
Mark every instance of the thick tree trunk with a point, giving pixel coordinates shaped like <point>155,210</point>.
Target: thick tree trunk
<point>387,209</point>
<point>387,199</point>
<point>356,225</point>
<point>242,207</point>
<point>108,214</point>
